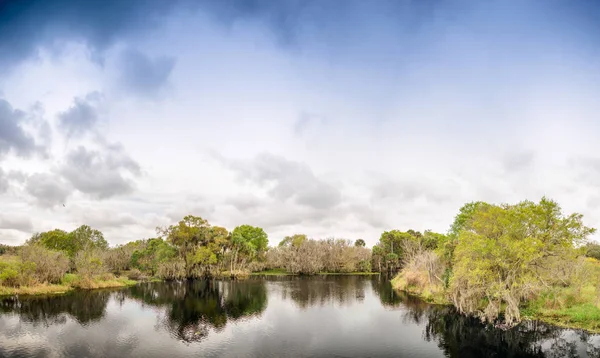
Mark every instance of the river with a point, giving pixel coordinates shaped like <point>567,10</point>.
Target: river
<point>325,316</point>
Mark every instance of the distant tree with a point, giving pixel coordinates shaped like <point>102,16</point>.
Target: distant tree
<point>360,242</point>
<point>248,243</point>
<point>71,243</point>
<point>295,240</point>
<point>592,249</point>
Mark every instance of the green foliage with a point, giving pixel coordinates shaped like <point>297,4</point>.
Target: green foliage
<point>390,253</point>
<point>50,266</point>
<point>360,243</point>
<point>250,239</point>
<point>592,249</point>
<point>295,240</point>
<point>83,237</point>
<point>506,253</point>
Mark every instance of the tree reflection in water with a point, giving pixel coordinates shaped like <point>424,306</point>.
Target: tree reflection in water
<point>189,311</point>
<point>322,290</point>
<point>195,307</point>
<point>460,336</point>
<point>83,306</point>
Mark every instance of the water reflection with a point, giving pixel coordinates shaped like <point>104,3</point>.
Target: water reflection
<point>195,307</point>
<point>460,336</point>
<point>319,316</point>
<point>83,306</point>
<point>322,290</point>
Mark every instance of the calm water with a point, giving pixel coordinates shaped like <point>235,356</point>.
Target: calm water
<point>335,316</point>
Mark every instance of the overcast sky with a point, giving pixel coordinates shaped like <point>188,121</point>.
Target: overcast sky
<point>330,118</point>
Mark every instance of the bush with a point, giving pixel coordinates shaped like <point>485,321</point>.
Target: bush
<point>49,266</point>
<point>135,274</point>
<point>89,262</point>
<point>9,276</point>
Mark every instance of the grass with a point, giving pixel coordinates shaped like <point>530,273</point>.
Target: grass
<point>567,308</point>
<point>349,273</point>
<point>428,293</point>
<point>272,272</point>
<point>43,289</point>
<point>68,283</point>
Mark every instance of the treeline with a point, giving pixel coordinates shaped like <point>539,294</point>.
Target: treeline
<point>498,260</point>
<point>191,248</point>
<point>300,255</point>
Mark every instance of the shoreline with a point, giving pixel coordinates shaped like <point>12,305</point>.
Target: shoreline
<point>63,288</point>
<point>551,317</point>
<point>122,281</point>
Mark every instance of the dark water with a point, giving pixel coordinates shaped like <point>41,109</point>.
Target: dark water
<point>335,316</point>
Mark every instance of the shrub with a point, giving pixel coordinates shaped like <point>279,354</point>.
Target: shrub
<point>49,266</point>
<point>134,274</point>
<point>9,276</point>
<point>89,262</point>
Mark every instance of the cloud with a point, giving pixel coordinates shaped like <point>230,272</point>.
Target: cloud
<point>142,74</point>
<point>82,116</point>
<point>102,218</point>
<point>287,180</point>
<point>516,162</point>
<point>31,25</point>
<point>305,120</point>
<point>48,189</point>
<point>13,136</point>
<point>101,174</point>
<point>409,190</point>
<point>15,222</point>
<point>3,182</point>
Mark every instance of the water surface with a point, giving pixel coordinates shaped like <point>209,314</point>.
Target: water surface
<point>330,316</point>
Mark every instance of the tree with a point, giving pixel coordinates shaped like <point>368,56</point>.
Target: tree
<point>295,240</point>
<point>189,235</point>
<point>506,253</point>
<point>249,243</point>
<point>83,237</point>
<point>360,243</point>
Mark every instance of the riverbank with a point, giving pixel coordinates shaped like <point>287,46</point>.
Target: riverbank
<point>69,283</point>
<point>282,272</point>
<point>563,307</point>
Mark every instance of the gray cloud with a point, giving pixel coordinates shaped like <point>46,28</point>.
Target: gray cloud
<point>104,219</point>
<point>245,203</point>
<point>82,116</point>
<point>411,190</point>
<point>12,135</point>
<point>142,74</point>
<point>516,162</point>
<point>19,223</point>
<point>101,174</point>
<point>49,190</point>
<point>3,182</point>
<point>288,180</point>
<point>586,169</point>
<point>200,208</point>
<point>27,26</point>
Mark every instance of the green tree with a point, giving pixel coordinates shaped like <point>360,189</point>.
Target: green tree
<point>249,243</point>
<point>506,253</point>
<point>188,236</point>
<point>295,240</point>
<point>83,237</point>
<point>360,243</point>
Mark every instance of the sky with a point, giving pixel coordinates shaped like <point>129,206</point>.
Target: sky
<point>329,118</point>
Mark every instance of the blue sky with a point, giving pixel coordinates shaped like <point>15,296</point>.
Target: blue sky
<point>330,118</point>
